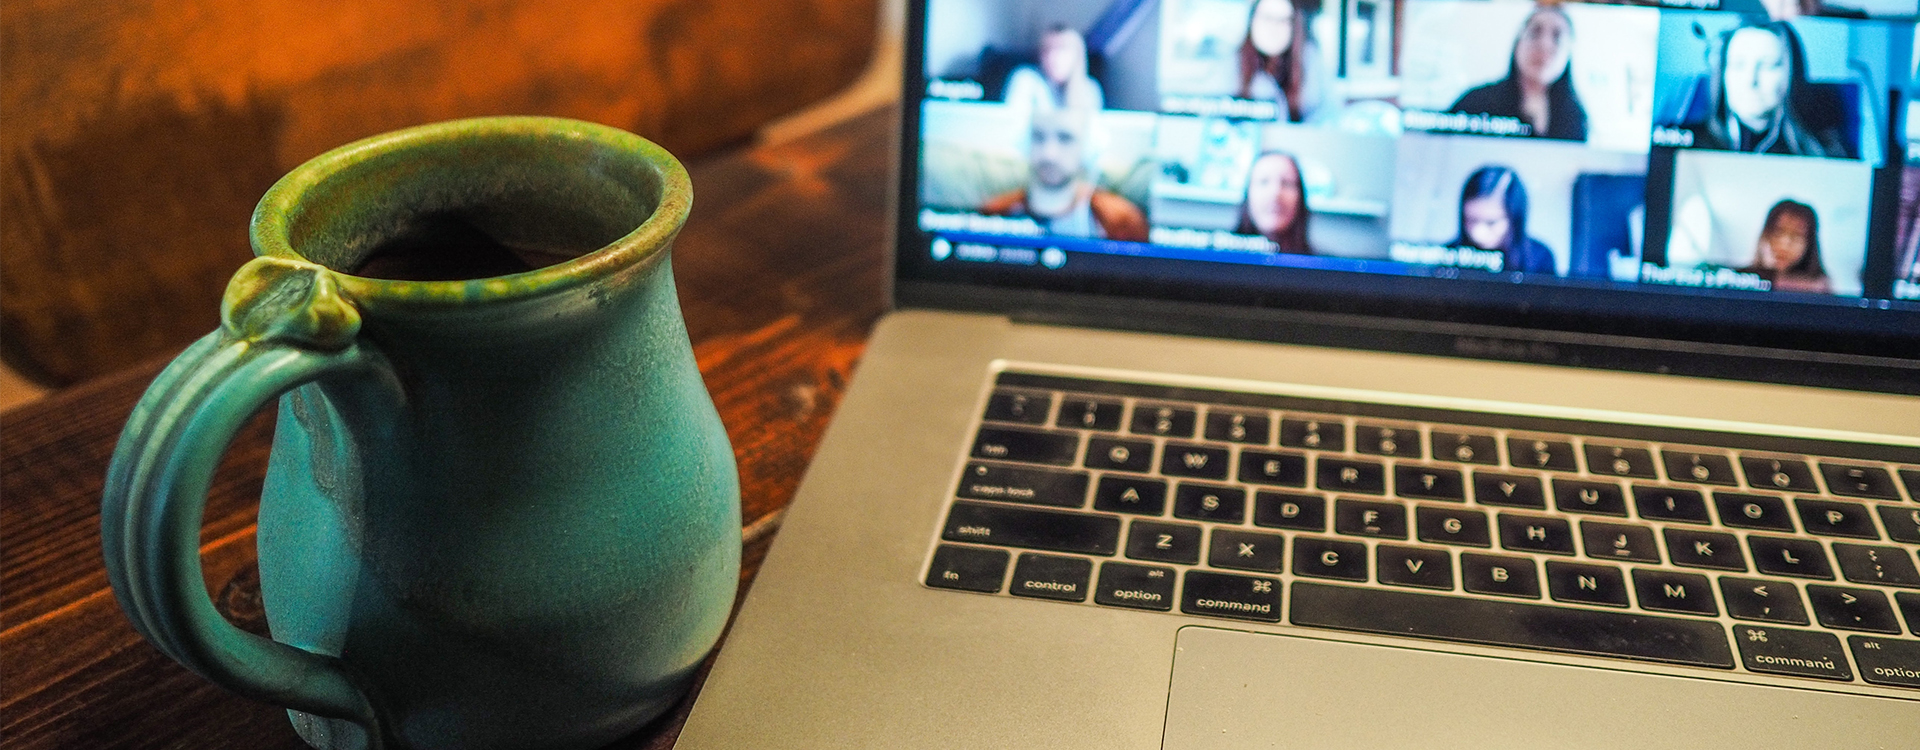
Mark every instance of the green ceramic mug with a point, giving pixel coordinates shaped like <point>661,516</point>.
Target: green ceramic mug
<point>500,512</point>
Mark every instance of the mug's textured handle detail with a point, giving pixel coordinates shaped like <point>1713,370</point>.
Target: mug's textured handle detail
<point>284,324</point>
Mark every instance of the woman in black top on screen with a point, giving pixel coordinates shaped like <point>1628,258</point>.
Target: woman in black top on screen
<point>1493,216</point>
<point>1537,90</point>
<point>1761,101</point>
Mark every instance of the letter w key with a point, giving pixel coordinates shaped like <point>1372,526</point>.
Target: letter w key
<point>1199,461</point>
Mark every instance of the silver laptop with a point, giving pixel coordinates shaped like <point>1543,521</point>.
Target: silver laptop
<point>1367,374</point>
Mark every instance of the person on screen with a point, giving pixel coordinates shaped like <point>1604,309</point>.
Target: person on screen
<point>1276,203</point>
<point>1788,253</point>
<point>1060,194</point>
<point>1279,62</point>
<point>1538,89</point>
<point>1061,78</point>
<point>1493,216</point>
<point>1761,100</point>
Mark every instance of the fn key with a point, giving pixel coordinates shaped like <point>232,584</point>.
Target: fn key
<point>967,568</point>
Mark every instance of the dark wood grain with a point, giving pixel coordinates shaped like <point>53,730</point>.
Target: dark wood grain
<point>780,275</point>
<point>138,135</point>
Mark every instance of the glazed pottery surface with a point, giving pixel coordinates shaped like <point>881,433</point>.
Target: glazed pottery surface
<point>500,512</point>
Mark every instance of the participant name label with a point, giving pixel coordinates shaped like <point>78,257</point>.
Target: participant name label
<point>1442,255</point>
<point>1705,278</point>
<point>1200,239</point>
<point>1461,122</point>
<point>1220,106</point>
<point>945,221</point>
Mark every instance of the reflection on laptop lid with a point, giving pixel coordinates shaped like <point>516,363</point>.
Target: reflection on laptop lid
<point>1604,184</point>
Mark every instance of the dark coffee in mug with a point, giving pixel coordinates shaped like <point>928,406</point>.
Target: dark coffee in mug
<point>448,246</point>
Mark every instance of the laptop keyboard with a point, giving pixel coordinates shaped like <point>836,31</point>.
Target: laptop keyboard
<point>1772,555</point>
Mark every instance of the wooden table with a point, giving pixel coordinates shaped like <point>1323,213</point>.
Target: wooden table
<point>780,275</point>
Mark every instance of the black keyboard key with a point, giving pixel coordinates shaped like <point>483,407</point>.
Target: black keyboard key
<point>1800,558</point>
<point>1414,566</point>
<point>1208,502</point>
<point>1382,440</point>
<point>1464,447</point>
<point>1265,467</point>
<point>1799,653</point>
<point>1752,511</point>
<point>1536,534</point>
<point>1886,661</point>
<point>1846,608</point>
<point>1910,609</point>
<point>1186,460</point>
<point>1884,566</point>
<point>1428,483</point>
<point>1119,455</point>
<point>1090,414</point>
<point>968,568</point>
<point>1541,453</point>
<point>1621,542</point>
<point>1903,522</point>
<point>1670,504</point>
<point>1147,497</point>
<point>1018,406</point>
<point>1619,461</point>
<point>1351,476</point>
<point>1368,518</point>
<point>1224,595</point>
<point>1506,623</point>
<point>1328,558</point>
<point>1684,593</point>
<point>1034,529</point>
<point>1239,427</point>
<point>1323,435</point>
<point>1136,586</point>
<point>1288,510</point>
<point>1835,518</point>
<point>1050,577</point>
<point>1762,601</point>
<point>1911,478</point>
<point>1602,498</point>
<point>1704,549</point>
<point>1579,583</point>
<point>1705,468</point>
<point>1246,550</point>
<point>1164,542</point>
<point>1165,420</point>
<point>1005,444</point>
<point>1511,490</point>
<point>1859,481</point>
<point>1778,474</point>
<point>1499,575</point>
<point>1452,526</point>
<point>1024,484</point>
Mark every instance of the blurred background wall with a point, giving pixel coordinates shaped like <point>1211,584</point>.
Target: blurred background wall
<point>136,136</point>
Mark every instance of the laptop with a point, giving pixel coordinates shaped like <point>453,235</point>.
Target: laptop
<point>1368,374</point>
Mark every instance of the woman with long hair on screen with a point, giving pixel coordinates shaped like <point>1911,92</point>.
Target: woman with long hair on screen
<point>1275,206</point>
<point>1279,61</point>
<point>1493,216</point>
<point>1788,253</point>
<point>1762,102</point>
<point>1538,88</point>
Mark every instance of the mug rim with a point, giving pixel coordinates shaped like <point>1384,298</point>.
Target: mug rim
<point>270,229</point>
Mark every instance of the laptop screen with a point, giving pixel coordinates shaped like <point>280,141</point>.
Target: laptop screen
<point>1731,171</point>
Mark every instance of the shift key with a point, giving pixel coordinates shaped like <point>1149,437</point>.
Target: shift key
<point>980,523</point>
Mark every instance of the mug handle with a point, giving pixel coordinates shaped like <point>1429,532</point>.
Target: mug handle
<point>283,324</point>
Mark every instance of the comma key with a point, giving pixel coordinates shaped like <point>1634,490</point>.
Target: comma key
<point>1886,661</point>
<point>1799,653</point>
<point>1762,601</point>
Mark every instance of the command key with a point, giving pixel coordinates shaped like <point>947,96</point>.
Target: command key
<point>1801,653</point>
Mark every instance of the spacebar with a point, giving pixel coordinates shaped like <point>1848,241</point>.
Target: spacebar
<point>1496,623</point>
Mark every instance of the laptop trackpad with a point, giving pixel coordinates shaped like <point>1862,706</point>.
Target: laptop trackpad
<point>1234,689</point>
